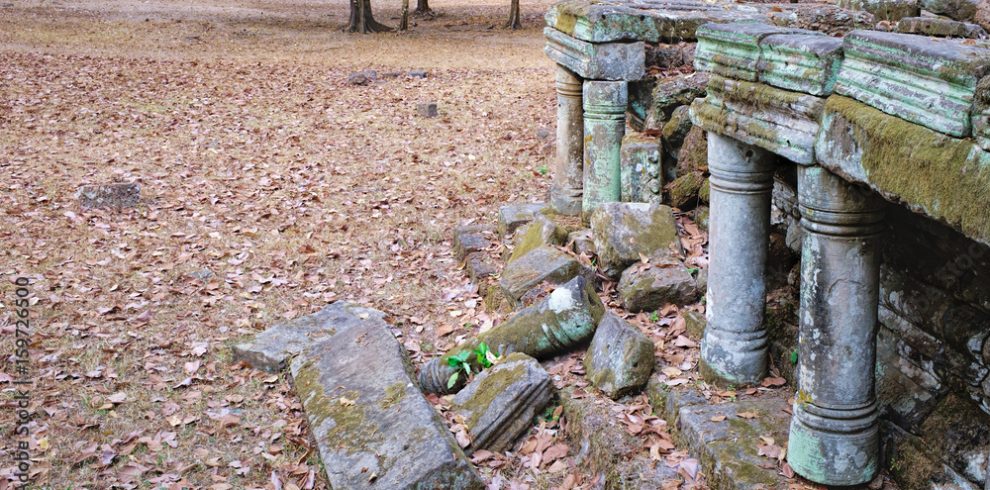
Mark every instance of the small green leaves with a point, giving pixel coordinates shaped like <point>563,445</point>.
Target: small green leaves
<point>543,170</point>
<point>794,357</point>
<point>693,271</point>
<point>655,317</point>
<point>481,354</point>
<point>452,380</point>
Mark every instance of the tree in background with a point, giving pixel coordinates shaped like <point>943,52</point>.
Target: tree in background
<point>361,19</point>
<point>423,8</point>
<point>514,21</point>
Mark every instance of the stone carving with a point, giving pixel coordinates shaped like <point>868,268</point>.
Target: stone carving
<point>640,169</point>
<point>807,63</point>
<point>568,172</point>
<point>604,126</point>
<point>733,50</point>
<point>596,61</point>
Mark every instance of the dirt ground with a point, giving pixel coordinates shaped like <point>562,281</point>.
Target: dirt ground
<point>270,187</point>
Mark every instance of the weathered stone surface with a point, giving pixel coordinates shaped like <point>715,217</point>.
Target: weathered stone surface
<point>541,232</point>
<point>596,61</point>
<point>604,127</point>
<point>955,9</point>
<point>583,242</point>
<point>649,287</point>
<point>568,168</point>
<point>675,130</point>
<point>272,349</point>
<point>670,56</point>
<point>427,109</point>
<point>561,321</point>
<point>116,196</point>
<point>981,114</point>
<point>939,27</point>
<point>653,101</point>
<point>733,50</point>
<point>363,77</point>
<point>807,63</point>
<point>889,10</point>
<point>512,216</point>
<point>600,21</point>
<point>829,19</point>
<point>906,392</point>
<point>695,323</point>
<point>641,179</point>
<point>683,191</point>
<point>472,238</point>
<point>693,156</point>
<point>780,121</point>
<point>624,232</point>
<point>501,402</point>
<point>913,467</point>
<point>927,81</point>
<point>942,177</point>
<point>479,267</point>
<point>542,264</point>
<point>372,426</point>
<point>620,359</point>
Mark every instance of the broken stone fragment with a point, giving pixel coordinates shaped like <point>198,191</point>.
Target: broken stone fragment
<point>828,19</point>
<point>363,77</point>
<point>620,359</point>
<point>596,61</point>
<point>640,166</point>
<point>939,27</point>
<point>427,109</point>
<point>961,10</point>
<point>560,322</point>
<point>675,130</point>
<point>625,232</point>
<point>272,349</point>
<point>881,69</point>
<point>651,286</point>
<point>694,323</point>
<point>472,238</point>
<point>115,196</point>
<point>583,242</point>
<point>684,190</point>
<point>733,50</point>
<point>479,267</point>
<point>512,216</point>
<point>541,232</point>
<point>693,156</point>
<point>542,264</point>
<point>502,401</point>
<point>670,56</point>
<point>372,426</point>
<point>889,10</point>
<point>807,63</point>
<point>653,101</point>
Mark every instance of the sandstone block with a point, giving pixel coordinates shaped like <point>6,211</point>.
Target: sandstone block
<point>649,287</point>
<point>472,238</point>
<point>596,61</point>
<point>620,359</point>
<point>512,216</point>
<point>733,50</point>
<point>955,9</point>
<point>807,63</point>
<point>939,27</point>
<point>542,264</point>
<point>625,232</point>
<point>889,10</point>
<point>640,167</point>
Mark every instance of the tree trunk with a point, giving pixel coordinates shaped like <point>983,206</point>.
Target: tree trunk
<point>404,23</point>
<point>362,21</point>
<point>423,8</point>
<point>514,21</point>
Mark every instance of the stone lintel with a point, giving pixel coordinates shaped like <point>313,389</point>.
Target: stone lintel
<point>733,50</point>
<point>924,80</point>
<point>596,61</point>
<point>780,121</point>
<point>940,27</point>
<point>806,63</point>
<point>930,173</point>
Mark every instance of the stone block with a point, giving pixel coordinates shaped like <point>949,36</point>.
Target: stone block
<point>542,264</point>
<point>541,232</point>
<point>807,63</point>
<point>114,196</point>
<point>620,359</point>
<point>472,238</point>
<point>889,10</point>
<point>684,191</point>
<point>961,10</point>
<point>828,19</point>
<point>652,102</point>
<point>372,426</point>
<point>596,61</point>
<point>626,232</point>
<point>940,27</point>
<point>913,467</point>
<point>927,81</point>
<point>640,168</point>
<point>502,401</point>
<point>676,129</point>
<point>643,20</point>
<point>733,50</point>
<point>272,349</point>
<point>649,287</point>
<point>512,216</point>
<point>427,109</point>
<point>779,121</point>
<point>582,242</point>
<point>941,177</point>
<point>906,392</point>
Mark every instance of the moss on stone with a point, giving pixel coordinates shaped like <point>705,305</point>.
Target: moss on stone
<point>684,190</point>
<point>495,382</point>
<point>393,394</point>
<point>705,193</point>
<point>351,432</point>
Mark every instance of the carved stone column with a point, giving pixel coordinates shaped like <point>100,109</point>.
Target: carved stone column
<point>604,126</point>
<point>834,438</point>
<point>568,172</point>
<point>734,349</point>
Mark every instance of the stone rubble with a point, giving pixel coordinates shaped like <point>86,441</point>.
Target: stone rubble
<point>650,286</point>
<point>112,196</point>
<point>620,359</point>
<point>626,232</point>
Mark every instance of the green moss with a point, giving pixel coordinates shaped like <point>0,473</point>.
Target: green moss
<point>351,432</point>
<point>491,385</point>
<point>393,394</point>
<point>947,177</point>
<point>705,193</point>
<point>565,22</point>
<point>684,190</point>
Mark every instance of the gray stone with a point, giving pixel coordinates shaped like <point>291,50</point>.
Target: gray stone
<point>114,196</point>
<point>583,242</point>
<point>542,264</point>
<point>371,423</point>
<point>417,74</point>
<point>695,323</point>
<point>640,162</point>
<point>512,216</point>
<point>427,109</point>
<point>541,232</point>
<point>472,238</point>
<point>596,61</point>
<point>626,232</point>
<point>479,267</point>
<point>653,101</point>
<point>806,63</point>
<point>670,56</point>
<point>907,393</point>
<point>733,50</point>
<point>272,349</point>
<point>955,9</point>
<point>620,359</point>
<point>502,401</point>
<point>913,465</point>
<point>889,10</point>
<point>363,77</point>
<point>981,114</point>
<point>568,172</point>
<point>651,286</point>
<point>675,130</point>
<point>939,27</point>
<point>604,127</point>
<point>828,19</point>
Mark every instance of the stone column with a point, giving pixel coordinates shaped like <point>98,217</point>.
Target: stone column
<point>833,437</point>
<point>734,348</point>
<point>604,126</point>
<point>568,172</point>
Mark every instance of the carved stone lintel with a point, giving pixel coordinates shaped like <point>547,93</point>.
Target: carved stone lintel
<point>834,438</point>
<point>568,172</point>
<point>734,349</point>
<point>604,126</point>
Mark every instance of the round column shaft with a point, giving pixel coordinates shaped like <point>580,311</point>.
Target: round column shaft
<point>604,126</point>
<point>834,438</point>
<point>568,171</point>
<point>734,348</point>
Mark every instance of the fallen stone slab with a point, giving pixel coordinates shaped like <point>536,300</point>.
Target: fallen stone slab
<point>684,191</point>
<point>940,27</point>
<point>115,196</point>
<point>962,10</point>
<point>472,238</point>
<point>363,77</point>
<point>541,232</point>
<point>625,232</point>
<point>889,10</point>
<point>807,63</point>
<point>640,168</point>
<point>651,286</point>
<point>512,216</point>
<point>542,264</point>
<point>272,349</point>
<point>502,401</point>
<point>372,426</point>
<point>561,321</point>
<point>676,129</point>
<point>780,121</point>
<point>733,50</point>
<point>596,61</point>
<point>653,21</point>
<point>620,359</point>
<point>928,81</point>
